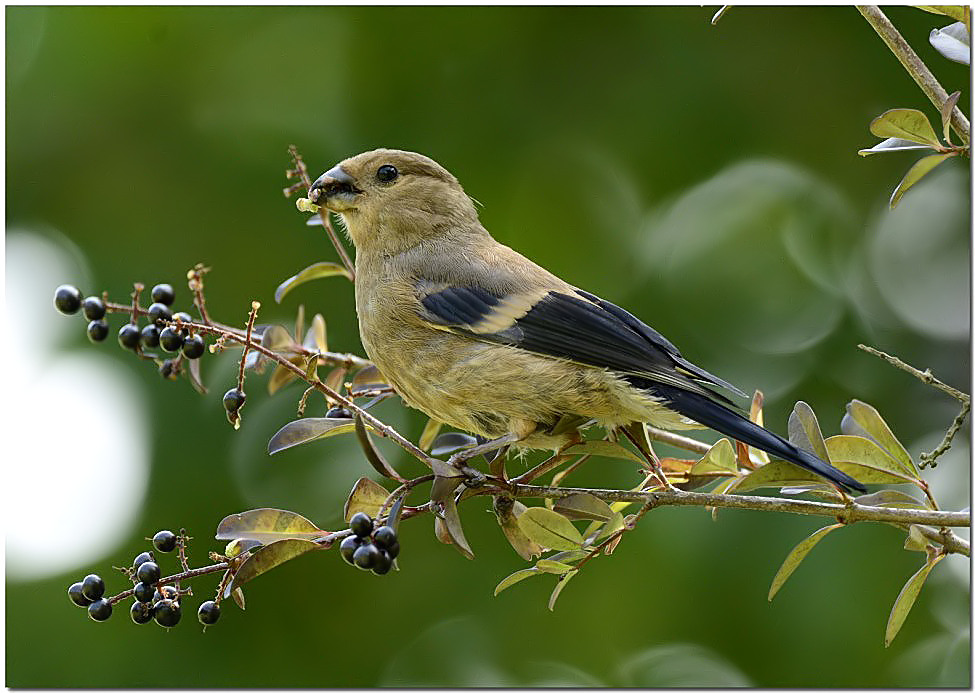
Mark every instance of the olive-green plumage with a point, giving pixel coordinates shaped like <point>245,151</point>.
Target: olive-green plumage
<point>481,338</point>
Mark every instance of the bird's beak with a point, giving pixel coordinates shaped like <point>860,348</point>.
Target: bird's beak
<point>334,189</point>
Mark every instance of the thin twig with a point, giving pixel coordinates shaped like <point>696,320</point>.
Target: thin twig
<point>251,317</point>
<point>952,542</point>
<point>195,282</point>
<point>678,441</point>
<point>915,67</point>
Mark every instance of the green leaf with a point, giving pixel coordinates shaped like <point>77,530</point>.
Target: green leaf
<point>516,577</point>
<point>894,144</point>
<point>603,448</point>
<point>905,600</point>
<point>317,337</point>
<point>946,108</point>
<point>568,556</point>
<point>370,375</point>
<point>430,431</point>
<point>239,546</point>
<point>306,430</point>
<point>865,461</point>
<point>863,420</point>
<point>559,586</point>
<point>920,169</point>
<point>267,525</point>
<point>451,521</point>
<point>804,431</point>
<point>720,459</point>
<point>507,511</point>
<point>906,124</point>
<point>615,524</point>
<point>549,529</point>
<point>277,338</point>
<point>774,474</point>
<point>270,557</point>
<point>916,541</point>
<point>375,457</point>
<point>890,498</point>
<point>547,565</point>
<point>795,557</point>
<point>367,496</point>
<point>319,270</point>
<point>582,506</point>
<point>953,11</point>
<point>281,377</point>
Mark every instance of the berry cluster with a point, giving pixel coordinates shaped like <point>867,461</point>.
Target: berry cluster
<point>367,549</point>
<point>158,333</point>
<point>152,601</point>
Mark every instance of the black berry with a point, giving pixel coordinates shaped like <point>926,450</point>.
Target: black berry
<point>348,546</point>
<point>77,596</point>
<point>393,549</point>
<point>159,311</point>
<point>141,558</point>
<point>67,299</point>
<point>383,563</point>
<point>233,399</point>
<point>100,610</point>
<point>338,413</point>
<point>150,336</point>
<point>166,369</point>
<point>165,592</point>
<point>140,612</point>
<point>361,524</point>
<point>97,330</point>
<point>144,592</point>
<point>208,613</point>
<point>164,540</point>
<point>129,336</point>
<point>148,572</point>
<point>185,318</point>
<point>384,537</point>
<point>194,347</point>
<point>367,556</point>
<point>93,587</point>
<point>170,339</point>
<point>167,612</point>
<point>163,293</point>
<point>93,308</point>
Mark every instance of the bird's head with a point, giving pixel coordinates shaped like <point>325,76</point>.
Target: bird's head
<point>392,200</point>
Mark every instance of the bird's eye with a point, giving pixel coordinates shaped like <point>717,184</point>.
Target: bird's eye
<point>387,173</point>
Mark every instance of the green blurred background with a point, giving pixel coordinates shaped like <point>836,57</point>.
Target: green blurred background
<point>705,177</point>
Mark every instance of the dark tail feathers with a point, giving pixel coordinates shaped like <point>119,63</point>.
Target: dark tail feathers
<point>731,423</point>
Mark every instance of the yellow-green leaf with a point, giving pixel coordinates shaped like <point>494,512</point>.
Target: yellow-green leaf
<point>303,431</point>
<point>920,169</point>
<point>956,12</point>
<point>804,431</point>
<point>367,496</point>
<point>890,498</point>
<point>549,529</point>
<point>281,377</point>
<point>370,375</point>
<point>906,124</point>
<point>319,270</point>
<point>516,577</point>
<point>372,453</point>
<point>430,431</point>
<point>946,109</point>
<point>582,506</point>
<point>863,420</point>
<point>905,600</point>
<point>720,459</point>
<point>795,557</point>
<point>277,338</point>
<point>507,512</point>
<point>774,474</point>
<point>559,586</point>
<point>271,556</point>
<point>267,525</point>
<point>916,541</point>
<point>451,522</point>
<point>317,337</point>
<point>865,461</point>
<point>603,448</point>
<point>549,566</point>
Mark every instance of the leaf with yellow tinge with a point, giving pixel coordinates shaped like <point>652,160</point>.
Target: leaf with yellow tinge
<point>270,557</point>
<point>303,431</point>
<point>549,529</point>
<point>334,380</point>
<point>905,600</point>
<point>281,377</point>
<point>559,586</point>
<point>603,448</point>
<point>804,431</point>
<point>372,453</point>
<point>507,512</point>
<point>430,431</point>
<point>367,496</point>
<point>863,420</point>
<point>582,506</point>
<point>720,459</point>
<point>317,337</point>
<point>954,11</point>
<point>891,498</point>
<point>267,525</point>
<point>906,124</point>
<point>918,171</point>
<point>547,565</point>
<point>515,578</point>
<point>795,557</point>
<point>319,270</point>
<point>451,523</point>
<point>916,541</point>
<point>774,474</point>
<point>865,461</point>
<point>276,338</point>
<point>370,375</point>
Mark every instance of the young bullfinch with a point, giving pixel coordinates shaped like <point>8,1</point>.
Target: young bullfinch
<point>483,339</point>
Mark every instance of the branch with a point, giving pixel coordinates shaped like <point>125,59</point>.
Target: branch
<point>915,67</point>
<point>952,542</point>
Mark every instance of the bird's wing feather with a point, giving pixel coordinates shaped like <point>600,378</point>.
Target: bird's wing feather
<point>579,327</point>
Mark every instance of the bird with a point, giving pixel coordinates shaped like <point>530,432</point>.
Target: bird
<point>479,337</point>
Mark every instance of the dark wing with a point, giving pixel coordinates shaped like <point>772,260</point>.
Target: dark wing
<point>581,328</point>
